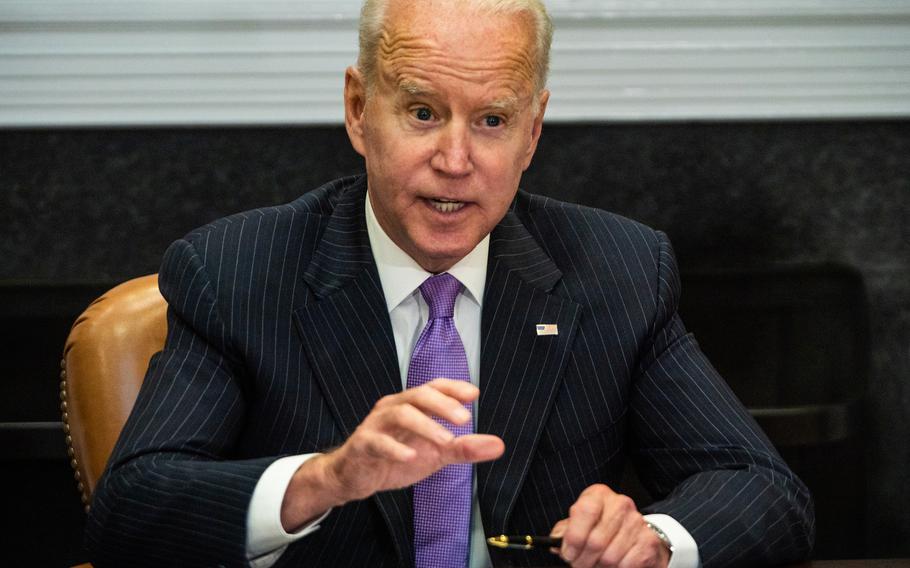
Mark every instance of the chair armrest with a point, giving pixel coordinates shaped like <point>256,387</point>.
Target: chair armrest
<point>807,425</point>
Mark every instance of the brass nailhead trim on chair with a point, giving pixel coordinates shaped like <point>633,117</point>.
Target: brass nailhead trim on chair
<point>70,450</point>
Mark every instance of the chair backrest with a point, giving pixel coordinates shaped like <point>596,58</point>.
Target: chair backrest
<point>104,362</point>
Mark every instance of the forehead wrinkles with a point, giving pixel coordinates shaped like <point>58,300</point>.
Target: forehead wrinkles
<point>404,55</point>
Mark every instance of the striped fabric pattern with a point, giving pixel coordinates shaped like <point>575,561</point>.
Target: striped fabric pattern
<point>279,343</point>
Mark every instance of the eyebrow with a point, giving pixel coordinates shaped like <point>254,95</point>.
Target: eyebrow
<point>415,90</point>
<point>505,104</point>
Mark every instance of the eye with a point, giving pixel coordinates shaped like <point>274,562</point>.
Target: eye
<point>423,114</point>
<point>493,121</point>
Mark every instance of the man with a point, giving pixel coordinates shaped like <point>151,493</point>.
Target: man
<point>296,415</point>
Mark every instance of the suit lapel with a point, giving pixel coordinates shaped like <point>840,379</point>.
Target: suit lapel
<point>520,371</point>
<point>348,338</point>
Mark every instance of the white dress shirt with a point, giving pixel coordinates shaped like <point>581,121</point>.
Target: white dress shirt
<point>401,278</point>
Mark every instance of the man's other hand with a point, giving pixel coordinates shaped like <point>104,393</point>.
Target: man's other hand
<point>604,529</point>
<point>397,444</point>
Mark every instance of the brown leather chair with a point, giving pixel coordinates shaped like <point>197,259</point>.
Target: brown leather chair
<point>104,363</point>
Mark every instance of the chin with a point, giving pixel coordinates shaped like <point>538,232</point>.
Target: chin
<point>440,261</point>
<point>444,249</point>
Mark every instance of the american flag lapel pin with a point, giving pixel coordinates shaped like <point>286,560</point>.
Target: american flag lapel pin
<point>547,329</point>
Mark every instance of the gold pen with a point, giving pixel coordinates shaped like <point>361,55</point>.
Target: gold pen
<point>524,542</point>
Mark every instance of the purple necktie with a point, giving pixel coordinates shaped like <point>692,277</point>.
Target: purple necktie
<point>442,501</point>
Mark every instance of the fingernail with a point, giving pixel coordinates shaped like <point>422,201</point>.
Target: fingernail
<point>462,414</point>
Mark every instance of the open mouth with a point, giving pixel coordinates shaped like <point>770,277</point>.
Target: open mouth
<point>446,205</point>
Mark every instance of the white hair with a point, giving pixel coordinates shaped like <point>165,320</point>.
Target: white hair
<point>372,20</point>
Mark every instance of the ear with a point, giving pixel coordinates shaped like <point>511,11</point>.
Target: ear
<point>355,98</point>
<point>536,127</point>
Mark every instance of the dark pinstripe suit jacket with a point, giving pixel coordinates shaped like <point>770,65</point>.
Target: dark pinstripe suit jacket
<point>279,343</point>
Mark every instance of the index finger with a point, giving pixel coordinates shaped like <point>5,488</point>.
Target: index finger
<point>435,402</point>
<point>461,390</point>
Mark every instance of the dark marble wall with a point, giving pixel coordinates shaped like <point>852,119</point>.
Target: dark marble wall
<point>101,205</point>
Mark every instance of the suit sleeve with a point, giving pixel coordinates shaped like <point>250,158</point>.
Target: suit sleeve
<point>172,493</point>
<point>701,454</point>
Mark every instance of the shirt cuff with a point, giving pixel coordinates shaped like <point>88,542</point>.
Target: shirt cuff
<point>266,537</point>
<point>685,551</point>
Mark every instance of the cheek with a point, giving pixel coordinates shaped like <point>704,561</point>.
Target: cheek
<point>501,174</point>
<point>397,156</point>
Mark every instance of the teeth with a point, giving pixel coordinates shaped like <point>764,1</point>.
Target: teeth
<point>446,206</point>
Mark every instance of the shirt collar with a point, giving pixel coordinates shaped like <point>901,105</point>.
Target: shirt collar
<point>400,274</point>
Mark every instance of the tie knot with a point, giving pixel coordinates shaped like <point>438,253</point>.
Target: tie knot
<point>440,291</point>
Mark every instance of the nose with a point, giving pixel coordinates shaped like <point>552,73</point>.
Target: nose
<point>453,151</point>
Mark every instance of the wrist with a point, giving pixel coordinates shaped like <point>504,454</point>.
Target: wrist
<point>311,492</point>
<point>666,545</point>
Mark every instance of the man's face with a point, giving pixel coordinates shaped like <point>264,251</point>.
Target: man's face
<point>448,126</point>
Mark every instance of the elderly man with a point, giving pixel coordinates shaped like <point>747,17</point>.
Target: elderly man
<point>395,365</point>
